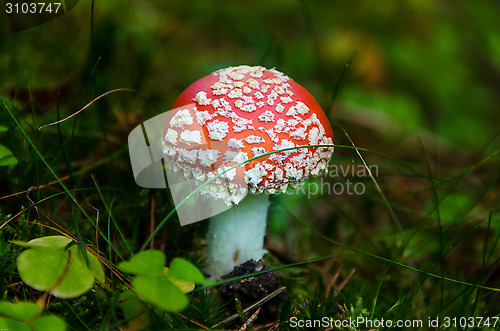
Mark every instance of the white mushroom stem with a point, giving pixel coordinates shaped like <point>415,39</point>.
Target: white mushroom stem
<point>236,235</point>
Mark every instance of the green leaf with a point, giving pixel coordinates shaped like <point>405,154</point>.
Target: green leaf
<point>41,268</point>
<point>6,157</point>
<point>3,128</point>
<point>131,307</point>
<point>131,304</point>
<point>160,292</point>
<point>94,266</point>
<point>20,311</point>
<point>54,242</point>
<point>146,263</point>
<point>183,270</point>
<point>77,280</point>
<point>183,285</point>
<point>10,324</point>
<point>52,323</point>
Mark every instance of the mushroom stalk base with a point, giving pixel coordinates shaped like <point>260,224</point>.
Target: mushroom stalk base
<point>236,235</point>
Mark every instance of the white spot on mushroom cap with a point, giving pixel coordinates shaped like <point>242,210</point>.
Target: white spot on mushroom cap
<point>168,150</point>
<point>268,167</point>
<point>292,172</point>
<point>239,103</point>
<point>242,124</point>
<point>235,93</point>
<point>302,109</point>
<point>217,130</point>
<point>252,83</point>
<point>292,123</point>
<point>190,137</point>
<point>216,103</point>
<point>220,88</point>
<point>202,116</point>
<point>313,136</point>
<point>249,108</point>
<point>279,174</point>
<point>299,134</point>
<point>181,118</point>
<point>229,175</point>
<point>254,176</point>
<point>208,157</point>
<point>198,174</point>
<point>279,89</point>
<point>299,108</point>
<point>235,156</point>
<point>257,73</point>
<point>271,133</point>
<point>171,136</point>
<point>254,139</point>
<point>236,75</point>
<point>189,156</point>
<point>284,143</point>
<point>201,98</point>
<point>266,116</point>
<point>235,144</point>
<point>280,125</point>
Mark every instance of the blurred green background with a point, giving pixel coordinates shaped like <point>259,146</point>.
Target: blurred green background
<point>417,81</point>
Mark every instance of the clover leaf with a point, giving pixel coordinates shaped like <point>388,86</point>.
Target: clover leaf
<point>48,265</point>
<point>163,287</point>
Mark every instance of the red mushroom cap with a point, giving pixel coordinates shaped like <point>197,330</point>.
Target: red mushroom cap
<point>238,113</point>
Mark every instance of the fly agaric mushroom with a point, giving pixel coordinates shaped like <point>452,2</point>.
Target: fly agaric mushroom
<point>239,113</point>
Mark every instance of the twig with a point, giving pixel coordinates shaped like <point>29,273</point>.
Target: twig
<point>250,320</point>
<point>344,283</point>
<point>334,279</point>
<point>194,322</point>
<point>257,304</point>
<point>91,102</point>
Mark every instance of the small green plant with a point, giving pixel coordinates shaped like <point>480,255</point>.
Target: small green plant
<point>153,283</point>
<point>54,266</point>
<point>27,316</point>
<point>163,287</point>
